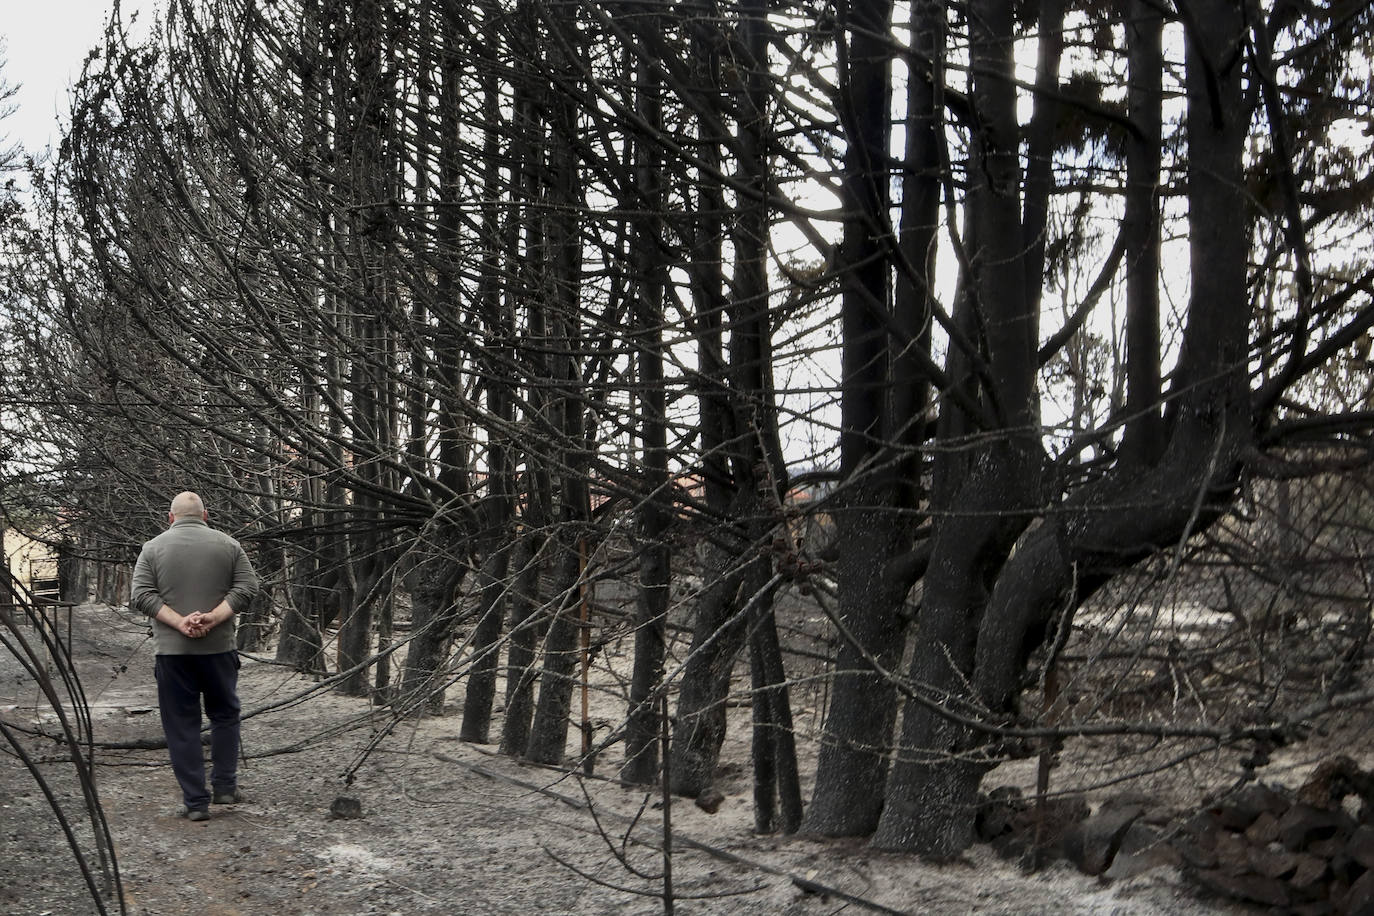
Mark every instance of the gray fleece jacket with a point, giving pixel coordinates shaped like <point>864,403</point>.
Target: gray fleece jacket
<point>190,567</point>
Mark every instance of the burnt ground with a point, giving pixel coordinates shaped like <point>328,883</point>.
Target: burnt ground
<point>445,827</point>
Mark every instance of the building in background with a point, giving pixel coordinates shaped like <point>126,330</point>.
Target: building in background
<point>32,563</point>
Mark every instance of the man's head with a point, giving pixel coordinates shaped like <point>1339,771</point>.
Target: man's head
<point>187,505</point>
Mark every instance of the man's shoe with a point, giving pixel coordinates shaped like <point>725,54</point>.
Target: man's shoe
<point>193,814</point>
<point>227,797</point>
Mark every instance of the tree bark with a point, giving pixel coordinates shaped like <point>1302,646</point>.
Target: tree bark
<point>548,737</point>
<point>718,634</point>
<point>486,648</point>
<point>1144,436</point>
<point>655,510</point>
<point>1064,561</point>
<point>777,782</point>
<point>931,789</point>
<point>858,726</point>
<point>434,613</point>
<point>527,629</point>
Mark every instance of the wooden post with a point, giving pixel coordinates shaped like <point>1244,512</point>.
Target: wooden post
<point>665,755</point>
<point>584,641</point>
<point>1037,855</point>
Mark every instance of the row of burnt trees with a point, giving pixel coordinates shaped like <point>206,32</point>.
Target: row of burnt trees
<point>434,298</point>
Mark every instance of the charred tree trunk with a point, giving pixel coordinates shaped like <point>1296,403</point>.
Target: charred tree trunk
<point>716,637</point>
<point>858,726</point>
<point>494,360</point>
<point>563,276</point>
<point>300,643</point>
<point>1144,437</point>
<point>655,565</point>
<point>933,785</point>
<point>777,783</point>
<point>434,612</point>
<point>752,479</point>
<point>1059,564</point>
<point>548,737</point>
<point>486,647</point>
<point>527,628</point>
<point>363,105</point>
<point>444,560</point>
<point>718,634</point>
<point>255,625</point>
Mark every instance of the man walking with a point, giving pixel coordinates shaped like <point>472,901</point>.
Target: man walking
<point>192,580</point>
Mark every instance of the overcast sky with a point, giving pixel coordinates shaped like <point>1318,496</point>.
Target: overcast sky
<point>45,43</point>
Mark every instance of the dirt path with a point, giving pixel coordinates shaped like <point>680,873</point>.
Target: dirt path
<point>446,827</point>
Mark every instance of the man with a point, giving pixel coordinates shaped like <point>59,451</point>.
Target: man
<point>192,580</point>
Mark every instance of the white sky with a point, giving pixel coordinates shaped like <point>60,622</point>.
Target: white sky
<point>45,42</point>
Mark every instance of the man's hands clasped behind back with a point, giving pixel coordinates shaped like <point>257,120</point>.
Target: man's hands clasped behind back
<point>194,626</point>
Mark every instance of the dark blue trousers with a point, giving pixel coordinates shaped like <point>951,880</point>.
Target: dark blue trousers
<point>182,680</point>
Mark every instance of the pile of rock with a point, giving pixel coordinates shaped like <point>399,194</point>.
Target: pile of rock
<point>1304,852</point>
<point>1124,836</point>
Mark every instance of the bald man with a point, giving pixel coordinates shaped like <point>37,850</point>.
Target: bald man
<point>192,580</point>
